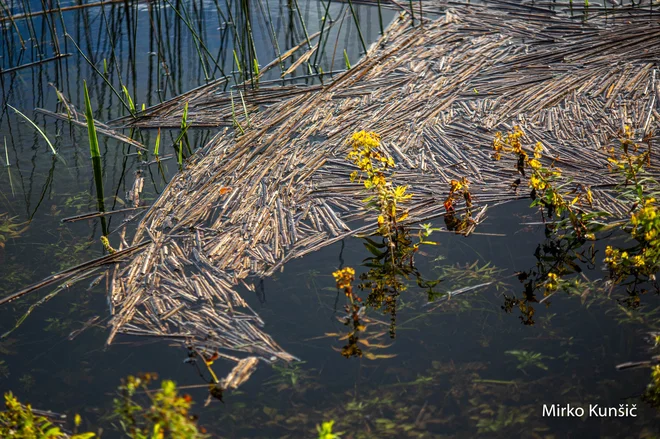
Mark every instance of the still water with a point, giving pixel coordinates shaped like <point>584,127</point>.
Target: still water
<point>457,367</point>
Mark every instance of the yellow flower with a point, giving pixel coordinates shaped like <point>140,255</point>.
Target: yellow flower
<point>538,149</point>
<point>638,260</point>
<point>456,186</point>
<point>537,183</point>
<point>344,277</point>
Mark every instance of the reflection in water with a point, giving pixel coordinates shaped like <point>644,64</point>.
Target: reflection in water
<point>556,259</point>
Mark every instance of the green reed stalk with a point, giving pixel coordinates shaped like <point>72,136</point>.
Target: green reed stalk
<point>94,149</point>
<point>255,67</point>
<point>357,25</point>
<point>238,63</point>
<point>131,104</point>
<point>95,152</point>
<point>380,18</point>
<point>247,117</point>
<point>326,16</point>
<point>157,147</point>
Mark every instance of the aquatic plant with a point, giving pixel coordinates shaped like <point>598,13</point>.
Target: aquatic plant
<point>325,431</point>
<point>10,229</point>
<point>374,165</point>
<point>639,191</point>
<point>547,188</point>
<point>95,153</point>
<point>527,359</point>
<point>459,189</point>
<point>558,259</point>
<point>166,415</point>
<point>292,376</point>
<point>4,370</point>
<point>39,130</point>
<point>391,262</point>
<point>20,422</point>
<point>652,393</point>
<point>491,420</point>
<point>354,308</point>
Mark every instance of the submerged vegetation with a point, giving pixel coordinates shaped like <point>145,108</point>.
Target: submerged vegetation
<point>9,229</point>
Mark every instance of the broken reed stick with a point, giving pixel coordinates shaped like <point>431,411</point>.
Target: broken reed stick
<point>65,274</point>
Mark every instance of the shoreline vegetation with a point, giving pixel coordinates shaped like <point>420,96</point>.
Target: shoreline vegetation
<point>454,110</point>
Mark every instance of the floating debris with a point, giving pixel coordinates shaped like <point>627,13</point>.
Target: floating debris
<point>244,206</point>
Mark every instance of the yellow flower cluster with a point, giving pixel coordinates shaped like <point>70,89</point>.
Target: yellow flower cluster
<point>344,277</point>
<point>646,222</point>
<point>509,143</point>
<point>373,163</point>
<point>366,155</point>
<point>618,260</point>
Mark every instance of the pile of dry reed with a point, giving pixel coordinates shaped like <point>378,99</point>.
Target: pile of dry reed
<point>437,93</point>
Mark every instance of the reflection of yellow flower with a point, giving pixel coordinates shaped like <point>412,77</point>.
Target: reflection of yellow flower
<point>552,284</point>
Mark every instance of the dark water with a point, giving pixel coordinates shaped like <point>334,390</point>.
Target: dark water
<point>458,368</point>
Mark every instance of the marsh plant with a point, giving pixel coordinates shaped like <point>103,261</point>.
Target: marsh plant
<point>576,222</point>
<point>140,412</point>
<point>143,413</point>
<point>10,228</point>
<point>554,196</point>
<point>20,422</point>
<point>638,191</point>
<point>391,263</point>
<point>458,190</point>
<point>325,431</point>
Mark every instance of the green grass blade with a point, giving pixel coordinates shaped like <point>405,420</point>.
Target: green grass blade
<point>157,147</point>
<point>131,104</point>
<point>91,129</point>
